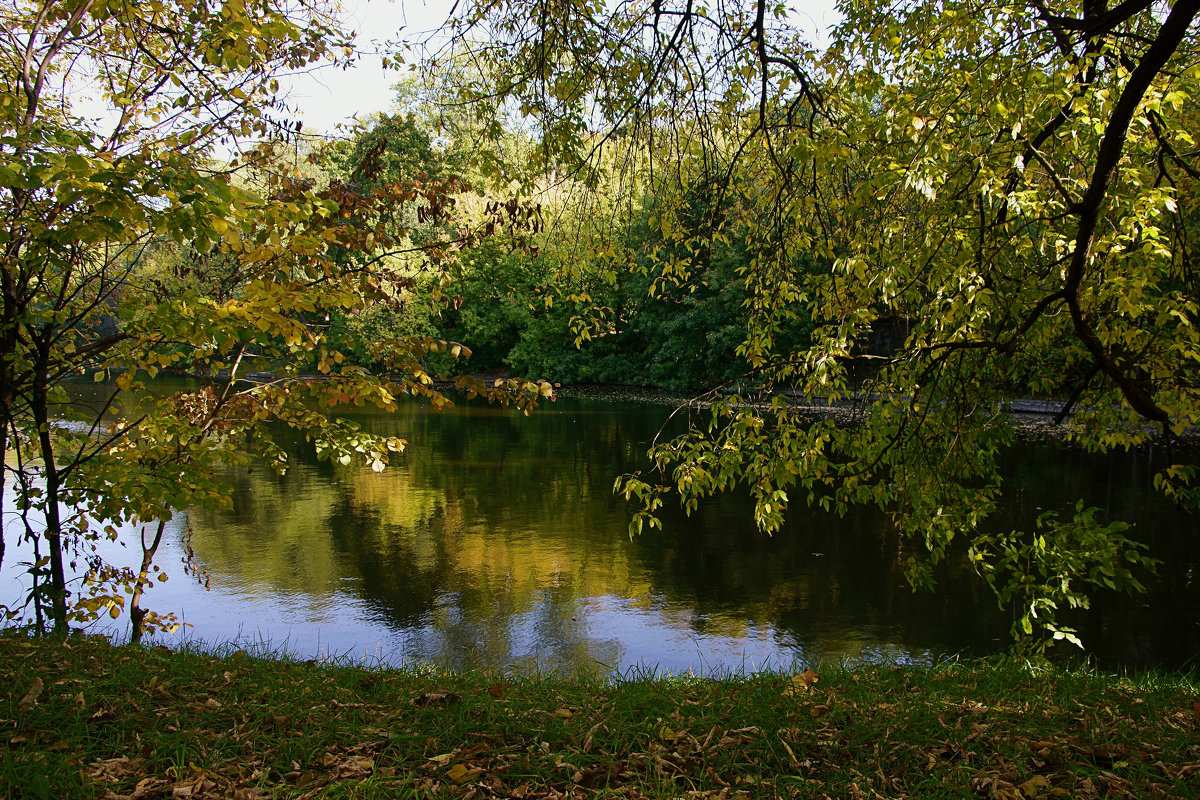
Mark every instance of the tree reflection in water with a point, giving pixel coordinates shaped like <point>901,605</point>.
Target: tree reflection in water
<point>496,541</point>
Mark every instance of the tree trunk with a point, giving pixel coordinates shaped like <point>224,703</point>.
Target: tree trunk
<point>58,581</point>
<point>3,475</point>
<point>136,613</point>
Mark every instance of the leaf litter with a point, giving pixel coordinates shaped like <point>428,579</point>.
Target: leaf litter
<point>191,725</point>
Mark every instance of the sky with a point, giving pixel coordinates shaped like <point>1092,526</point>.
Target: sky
<point>330,97</point>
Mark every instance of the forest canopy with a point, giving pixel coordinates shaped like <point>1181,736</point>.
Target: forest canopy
<point>155,217</point>
<point>952,204</point>
<point>947,205</point>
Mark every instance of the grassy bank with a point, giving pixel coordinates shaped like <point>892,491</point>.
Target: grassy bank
<point>88,720</point>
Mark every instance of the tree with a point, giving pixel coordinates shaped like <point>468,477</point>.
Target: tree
<point>1013,186</point>
<point>134,240</point>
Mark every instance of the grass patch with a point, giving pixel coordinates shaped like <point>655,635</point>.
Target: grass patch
<point>84,719</point>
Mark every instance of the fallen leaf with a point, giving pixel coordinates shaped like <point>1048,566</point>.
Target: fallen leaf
<point>443,759</point>
<point>31,697</point>
<point>435,698</point>
<point>460,773</point>
<point>252,793</point>
<point>597,776</point>
<point>1037,786</point>
<point>116,768</point>
<point>362,763</point>
<point>790,752</point>
<point>147,785</point>
<point>482,747</point>
<point>587,740</point>
<point>799,684</point>
<point>496,690</point>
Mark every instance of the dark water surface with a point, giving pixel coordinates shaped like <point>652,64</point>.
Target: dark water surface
<point>495,540</point>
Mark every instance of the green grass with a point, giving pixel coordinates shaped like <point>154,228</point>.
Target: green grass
<point>132,722</point>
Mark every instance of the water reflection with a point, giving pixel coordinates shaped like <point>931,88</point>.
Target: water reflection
<point>495,541</point>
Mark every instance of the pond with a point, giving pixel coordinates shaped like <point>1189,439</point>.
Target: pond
<point>495,541</point>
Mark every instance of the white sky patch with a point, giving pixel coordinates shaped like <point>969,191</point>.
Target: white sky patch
<point>327,98</point>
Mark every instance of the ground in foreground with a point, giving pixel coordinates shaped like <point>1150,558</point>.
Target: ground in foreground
<point>83,719</point>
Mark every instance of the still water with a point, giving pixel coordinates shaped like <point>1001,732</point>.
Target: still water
<point>495,541</point>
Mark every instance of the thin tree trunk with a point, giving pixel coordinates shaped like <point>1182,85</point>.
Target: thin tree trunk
<point>3,474</point>
<point>58,581</point>
<point>137,614</point>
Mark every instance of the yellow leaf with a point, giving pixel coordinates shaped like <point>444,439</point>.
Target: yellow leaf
<point>1037,786</point>
<point>461,774</point>
<point>799,684</point>
<point>362,762</point>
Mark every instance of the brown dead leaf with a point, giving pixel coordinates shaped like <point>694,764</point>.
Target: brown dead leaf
<point>435,699</point>
<point>597,776</point>
<point>799,684</point>
<point>1196,709</point>
<point>970,708</point>
<point>587,740</point>
<point>359,764</point>
<point>496,690</point>
<point>996,788</point>
<point>475,750</point>
<point>116,768</point>
<point>460,773</point>
<point>148,786</point>
<point>31,697</point>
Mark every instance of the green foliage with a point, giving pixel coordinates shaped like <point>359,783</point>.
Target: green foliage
<point>1037,573</point>
<point>1013,187</point>
<point>384,150</point>
<point>129,248</point>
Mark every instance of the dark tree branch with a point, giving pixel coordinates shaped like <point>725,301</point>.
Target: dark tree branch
<point>1108,156</point>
